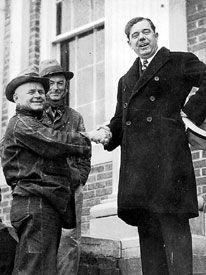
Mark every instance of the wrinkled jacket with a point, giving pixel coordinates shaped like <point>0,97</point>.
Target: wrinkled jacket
<point>69,120</point>
<point>34,159</point>
<point>156,172</point>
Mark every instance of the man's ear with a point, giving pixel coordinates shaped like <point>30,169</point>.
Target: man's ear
<point>15,97</point>
<point>129,43</point>
<point>156,35</point>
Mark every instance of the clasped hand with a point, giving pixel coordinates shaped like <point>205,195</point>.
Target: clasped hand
<point>101,135</point>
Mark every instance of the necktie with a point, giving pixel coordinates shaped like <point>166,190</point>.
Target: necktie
<point>144,65</point>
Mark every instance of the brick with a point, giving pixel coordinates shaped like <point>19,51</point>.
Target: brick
<point>201,180</point>
<point>5,189</point>
<point>202,37</point>
<point>191,25</point>
<point>105,191</point>
<point>7,196</point>
<point>192,40</point>
<point>92,186</point>
<point>104,176</point>
<point>196,16</point>
<point>199,163</point>
<point>204,171</point>
<point>4,203</point>
<point>6,210</point>
<point>108,166</point>
<point>88,195</point>
<point>197,173</point>
<point>92,178</point>
<point>196,155</point>
<point>98,169</point>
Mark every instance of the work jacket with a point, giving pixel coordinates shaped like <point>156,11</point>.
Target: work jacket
<point>67,119</point>
<point>34,160</point>
<point>156,172</point>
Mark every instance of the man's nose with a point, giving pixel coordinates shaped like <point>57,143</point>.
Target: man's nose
<point>54,86</point>
<point>141,36</point>
<point>38,94</point>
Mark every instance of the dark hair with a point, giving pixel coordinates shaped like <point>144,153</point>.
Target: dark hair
<point>134,21</point>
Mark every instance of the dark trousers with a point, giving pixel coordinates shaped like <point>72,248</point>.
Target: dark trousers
<point>39,230</point>
<point>7,252</point>
<point>165,245</point>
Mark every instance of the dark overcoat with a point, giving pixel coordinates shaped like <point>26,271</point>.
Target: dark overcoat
<point>156,171</point>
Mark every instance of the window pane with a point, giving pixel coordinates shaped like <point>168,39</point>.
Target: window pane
<point>85,86</point>
<point>81,9</point>
<point>100,112</point>
<point>87,112</point>
<point>100,44</point>
<point>98,9</point>
<point>59,17</point>
<point>100,81</point>
<point>71,49</point>
<point>66,15</point>
<point>85,50</point>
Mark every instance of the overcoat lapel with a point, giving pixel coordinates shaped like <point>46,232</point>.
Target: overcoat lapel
<point>133,79</point>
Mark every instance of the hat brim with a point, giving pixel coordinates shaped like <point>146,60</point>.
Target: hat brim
<point>16,82</point>
<point>68,75</point>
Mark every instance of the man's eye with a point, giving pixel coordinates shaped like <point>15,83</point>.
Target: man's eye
<point>146,31</point>
<point>41,92</point>
<point>135,35</point>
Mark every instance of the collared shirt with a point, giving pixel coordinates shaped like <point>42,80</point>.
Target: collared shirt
<point>150,58</point>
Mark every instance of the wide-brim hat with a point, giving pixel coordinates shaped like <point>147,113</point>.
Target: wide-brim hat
<point>30,76</point>
<point>52,67</point>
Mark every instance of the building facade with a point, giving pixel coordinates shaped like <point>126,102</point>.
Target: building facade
<point>87,37</point>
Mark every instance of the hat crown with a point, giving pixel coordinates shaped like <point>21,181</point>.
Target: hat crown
<point>51,66</point>
<point>47,67</point>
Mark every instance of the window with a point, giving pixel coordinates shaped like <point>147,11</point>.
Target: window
<point>82,52</point>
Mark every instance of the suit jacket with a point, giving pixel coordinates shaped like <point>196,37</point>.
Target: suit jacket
<point>156,171</point>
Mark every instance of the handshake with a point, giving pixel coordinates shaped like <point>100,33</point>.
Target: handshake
<point>101,135</point>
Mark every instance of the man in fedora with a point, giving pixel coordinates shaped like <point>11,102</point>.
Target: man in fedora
<point>34,161</point>
<point>60,116</point>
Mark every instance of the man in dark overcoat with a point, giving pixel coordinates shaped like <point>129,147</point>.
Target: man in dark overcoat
<point>157,189</point>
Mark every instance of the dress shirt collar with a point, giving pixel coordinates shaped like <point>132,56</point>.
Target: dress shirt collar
<point>149,59</point>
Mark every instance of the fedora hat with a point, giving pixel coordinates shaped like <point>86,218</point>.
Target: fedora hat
<point>28,75</point>
<point>51,66</point>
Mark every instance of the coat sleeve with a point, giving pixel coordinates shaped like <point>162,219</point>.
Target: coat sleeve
<point>81,163</point>
<point>195,72</point>
<point>115,124</point>
<point>49,143</point>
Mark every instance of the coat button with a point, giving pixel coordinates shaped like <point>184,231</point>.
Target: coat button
<point>149,119</point>
<point>125,105</point>
<point>152,98</point>
<point>156,78</point>
<point>128,123</point>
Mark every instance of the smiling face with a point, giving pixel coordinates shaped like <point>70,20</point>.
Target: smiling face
<point>30,96</point>
<point>143,40</point>
<point>57,88</point>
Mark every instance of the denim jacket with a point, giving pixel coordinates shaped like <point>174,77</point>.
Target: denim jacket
<point>34,159</point>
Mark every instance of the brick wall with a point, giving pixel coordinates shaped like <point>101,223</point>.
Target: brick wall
<point>196,24</point>
<point>7,26</point>
<point>196,31</point>
<point>98,187</point>
<point>34,39</point>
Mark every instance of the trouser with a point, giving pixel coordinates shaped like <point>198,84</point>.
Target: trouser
<point>39,230</point>
<point>165,245</point>
<point>7,252</point>
<point>68,263</point>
